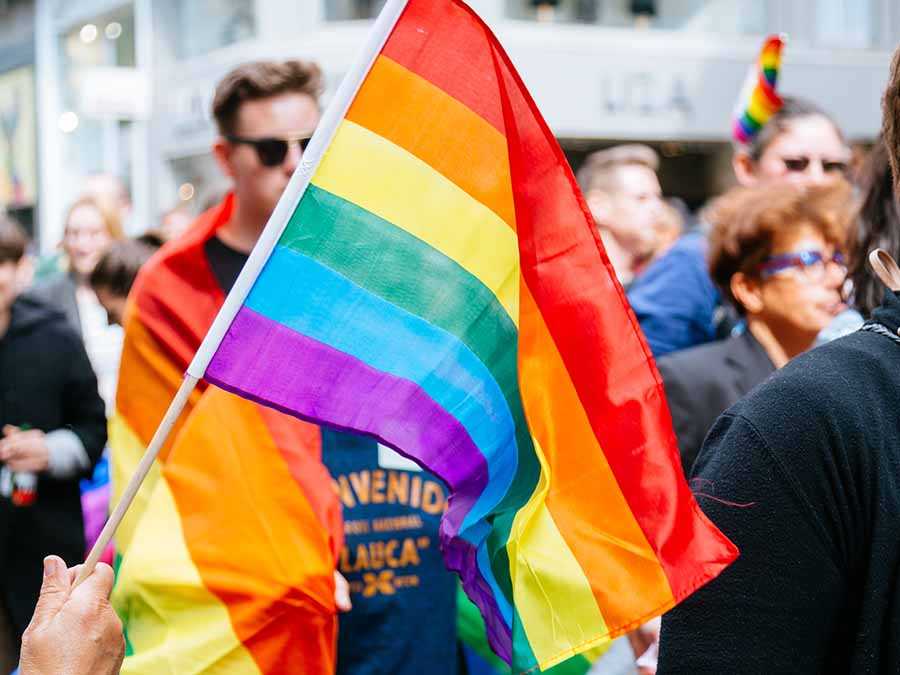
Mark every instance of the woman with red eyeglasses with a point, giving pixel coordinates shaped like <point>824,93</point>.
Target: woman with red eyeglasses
<point>775,254</point>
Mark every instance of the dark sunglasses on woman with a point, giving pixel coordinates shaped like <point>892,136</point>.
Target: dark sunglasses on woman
<point>801,164</point>
<point>271,151</point>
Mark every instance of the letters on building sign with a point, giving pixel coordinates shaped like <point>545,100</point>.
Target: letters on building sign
<point>645,93</point>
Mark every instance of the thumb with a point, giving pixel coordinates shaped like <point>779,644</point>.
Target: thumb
<point>98,585</point>
<point>54,590</point>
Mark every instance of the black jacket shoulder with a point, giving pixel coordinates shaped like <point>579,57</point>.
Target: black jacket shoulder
<point>803,475</point>
<point>702,382</point>
<point>57,292</point>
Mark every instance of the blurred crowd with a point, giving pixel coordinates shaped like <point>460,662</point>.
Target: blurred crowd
<point>725,297</point>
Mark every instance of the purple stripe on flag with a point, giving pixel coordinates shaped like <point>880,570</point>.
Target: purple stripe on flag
<point>308,379</point>
<point>272,364</point>
<point>462,557</point>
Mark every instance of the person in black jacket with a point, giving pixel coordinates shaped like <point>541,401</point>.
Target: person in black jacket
<point>803,475</point>
<point>52,432</point>
<point>775,252</point>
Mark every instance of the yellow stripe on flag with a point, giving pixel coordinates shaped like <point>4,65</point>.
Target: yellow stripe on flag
<point>174,624</point>
<point>448,135</point>
<point>373,173</point>
<point>129,450</point>
<point>553,596</point>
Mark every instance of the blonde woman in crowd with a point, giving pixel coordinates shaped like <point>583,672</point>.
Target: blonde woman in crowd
<point>90,227</point>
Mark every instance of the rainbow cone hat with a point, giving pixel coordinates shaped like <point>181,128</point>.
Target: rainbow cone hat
<point>759,100</point>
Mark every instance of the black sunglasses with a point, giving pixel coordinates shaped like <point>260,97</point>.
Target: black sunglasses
<point>801,164</point>
<point>271,151</point>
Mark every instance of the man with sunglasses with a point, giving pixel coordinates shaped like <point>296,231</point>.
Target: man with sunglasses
<point>264,113</point>
<point>265,121</point>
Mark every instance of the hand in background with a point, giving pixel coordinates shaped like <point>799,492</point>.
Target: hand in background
<point>341,593</point>
<point>24,450</point>
<point>73,631</point>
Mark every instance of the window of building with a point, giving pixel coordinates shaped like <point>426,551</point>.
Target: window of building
<point>95,54</point>
<point>845,23</point>
<point>191,28</point>
<point>348,10</point>
<point>18,148</point>
<point>707,16</point>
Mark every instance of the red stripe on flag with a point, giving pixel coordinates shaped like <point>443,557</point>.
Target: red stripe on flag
<point>447,45</point>
<point>585,308</point>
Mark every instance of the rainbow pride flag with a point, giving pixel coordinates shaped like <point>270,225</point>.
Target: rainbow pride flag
<point>759,100</point>
<point>432,277</point>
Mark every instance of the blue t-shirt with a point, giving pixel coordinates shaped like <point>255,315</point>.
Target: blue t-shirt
<point>403,619</point>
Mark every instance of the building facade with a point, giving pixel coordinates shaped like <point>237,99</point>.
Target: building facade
<point>124,86</point>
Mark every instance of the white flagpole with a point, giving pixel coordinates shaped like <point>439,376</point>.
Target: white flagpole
<point>296,188</point>
<point>292,195</point>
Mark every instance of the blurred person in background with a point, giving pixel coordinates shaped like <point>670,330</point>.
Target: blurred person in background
<point>878,227</point>
<point>675,300</point>
<point>115,272</point>
<point>624,196</point>
<point>776,255</point>
<point>90,228</point>
<point>112,193</point>
<point>109,194</point>
<point>175,222</point>
<point>111,279</point>
<point>52,431</point>
<point>669,228</point>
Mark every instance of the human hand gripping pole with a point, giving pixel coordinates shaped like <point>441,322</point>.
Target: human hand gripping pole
<point>73,630</point>
<point>279,219</point>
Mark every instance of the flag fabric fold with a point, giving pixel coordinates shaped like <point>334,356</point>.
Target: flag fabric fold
<point>441,287</point>
<point>225,560</point>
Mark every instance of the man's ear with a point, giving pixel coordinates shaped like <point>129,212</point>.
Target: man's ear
<point>600,205</point>
<point>744,168</point>
<point>747,291</point>
<point>222,150</point>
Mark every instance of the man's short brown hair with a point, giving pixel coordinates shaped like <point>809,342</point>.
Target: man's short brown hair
<point>13,240</point>
<point>746,221</point>
<point>259,80</point>
<point>599,169</point>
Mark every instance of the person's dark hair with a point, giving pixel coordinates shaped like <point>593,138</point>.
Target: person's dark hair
<point>878,226</point>
<point>260,80</point>
<point>890,122</point>
<point>116,270</point>
<point>13,240</point>
<point>793,109</point>
<point>746,221</point>
<point>152,238</point>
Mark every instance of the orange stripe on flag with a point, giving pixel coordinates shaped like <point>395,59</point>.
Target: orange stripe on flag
<point>147,382</point>
<point>424,120</point>
<point>257,544</point>
<point>628,580</point>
